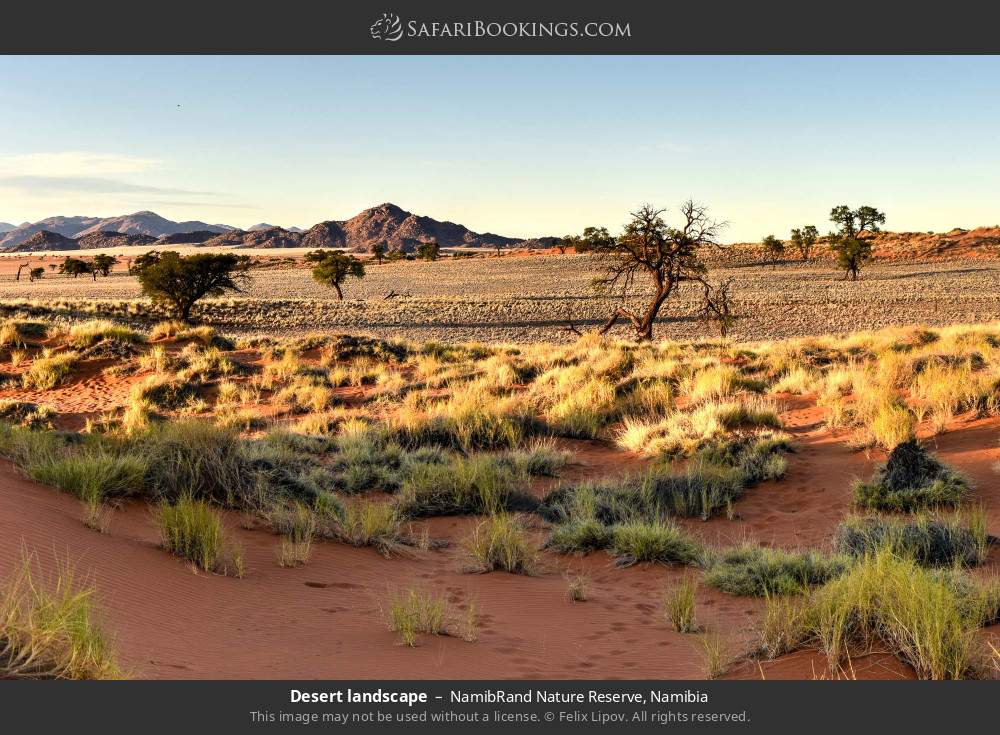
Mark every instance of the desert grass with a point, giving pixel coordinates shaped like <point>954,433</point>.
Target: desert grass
<point>26,413</point>
<point>372,523</point>
<point>92,474</point>
<point>501,543</point>
<point>87,334</point>
<point>679,605</point>
<point>753,570</point>
<point>578,586</point>
<point>412,612</point>
<point>297,524</point>
<point>475,485</point>
<point>660,541</point>
<point>52,630</point>
<point>193,530</point>
<point>714,654</point>
<point>47,372</point>
<point>959,540</point>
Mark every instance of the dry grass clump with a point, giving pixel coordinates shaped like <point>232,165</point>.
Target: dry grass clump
<point>51,631</point>
<point>679,605</point>
<point>415,611</point>
<point>500,543</point>
<point>684,432</point>
<point>371,523</point>
<point>660,541</point>
<point>911,479</point>
<point>192,530</point>
<point>297,524</point>
<point>926,618</point>
<point>49,370</point>
<point>87,334</point>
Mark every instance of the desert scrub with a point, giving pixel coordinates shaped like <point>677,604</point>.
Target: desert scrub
<point>782,626</point>
<point>192,530</point>
<point>584,412</point>
<point>500,543</point>
<point>922,617</point>
<point>579,535</point>
<point>474,485</point>
<point>541,457</point>
<point>911,479</point>
<point>26,414</point>
<point>92,474</point>
<point>415,611</point>
<point>162,391</point>
<point>684,432</point>
<point>659,541</point>
<point>47,372</point>
<point>297,525</point>
<point>679,605</point>
<point>87,334</point>
<point>371,523</point>
<point>720,473</point>
<point>51,630</point>
<point>752,570</point>
<point>929,540</point>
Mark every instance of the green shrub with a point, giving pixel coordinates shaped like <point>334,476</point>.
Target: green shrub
<point>930,541</point>
<point>91,474</point>
<point>752,570</point>
<point>653,541</point>
<point>475,485</point>
<point>911,479</point>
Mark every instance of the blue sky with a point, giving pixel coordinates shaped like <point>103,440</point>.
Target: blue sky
<point>516,145</point>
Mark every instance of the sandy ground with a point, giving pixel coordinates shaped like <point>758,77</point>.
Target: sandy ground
<point>530,299</point>
<point>324,620</point>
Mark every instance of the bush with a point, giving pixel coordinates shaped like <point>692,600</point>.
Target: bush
<point>499,543</point>
<point>911,479</point>
<point>653,541</point>
<point>579,535</point>
<point>476,485</point>
<point>51,631</point>
<point>928,540</point>
<point>192,530</point>
<point>751,570</point>
<point>92,474</point>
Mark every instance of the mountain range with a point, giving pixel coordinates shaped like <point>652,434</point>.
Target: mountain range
<point>386,223</point>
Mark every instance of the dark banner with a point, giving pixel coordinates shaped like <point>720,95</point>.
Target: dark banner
<point>451,27</point>
<point>499,706</point>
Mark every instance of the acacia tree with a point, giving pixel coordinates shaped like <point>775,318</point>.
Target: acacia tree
<point>74,267</point>
<point>378,252</point>
<point>649,247</point>
<point>774,247</point>
<point>803,240</point>
<point>180,281</point>
<point>853,249</point>
<point>36,273</point>
<point>429,251</point>
<point>103,264</point>
<point>335,267</point>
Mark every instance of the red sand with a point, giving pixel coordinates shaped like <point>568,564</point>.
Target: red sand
<point>323,620</point>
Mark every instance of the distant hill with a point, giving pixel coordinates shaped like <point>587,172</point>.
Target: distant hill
<point>272,237</point>
<point>7,227</point>
<point>389,223</point>
<point>139,223</point>
<point>186,238</point>
<point>47,240</point>
<point>105,239</point>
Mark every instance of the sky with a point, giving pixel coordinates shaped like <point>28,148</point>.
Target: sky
<point>520,146</point>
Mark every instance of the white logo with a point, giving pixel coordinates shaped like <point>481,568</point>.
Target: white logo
<point>387,28</point>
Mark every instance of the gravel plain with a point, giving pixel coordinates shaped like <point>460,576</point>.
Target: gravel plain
<point>529,299</point>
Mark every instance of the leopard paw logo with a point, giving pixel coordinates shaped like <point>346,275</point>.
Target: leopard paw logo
<point>387,28</point>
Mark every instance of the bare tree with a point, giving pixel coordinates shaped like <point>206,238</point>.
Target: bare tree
<point>718,305</point>
<point>20,267</point>
<point>648,246</point>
